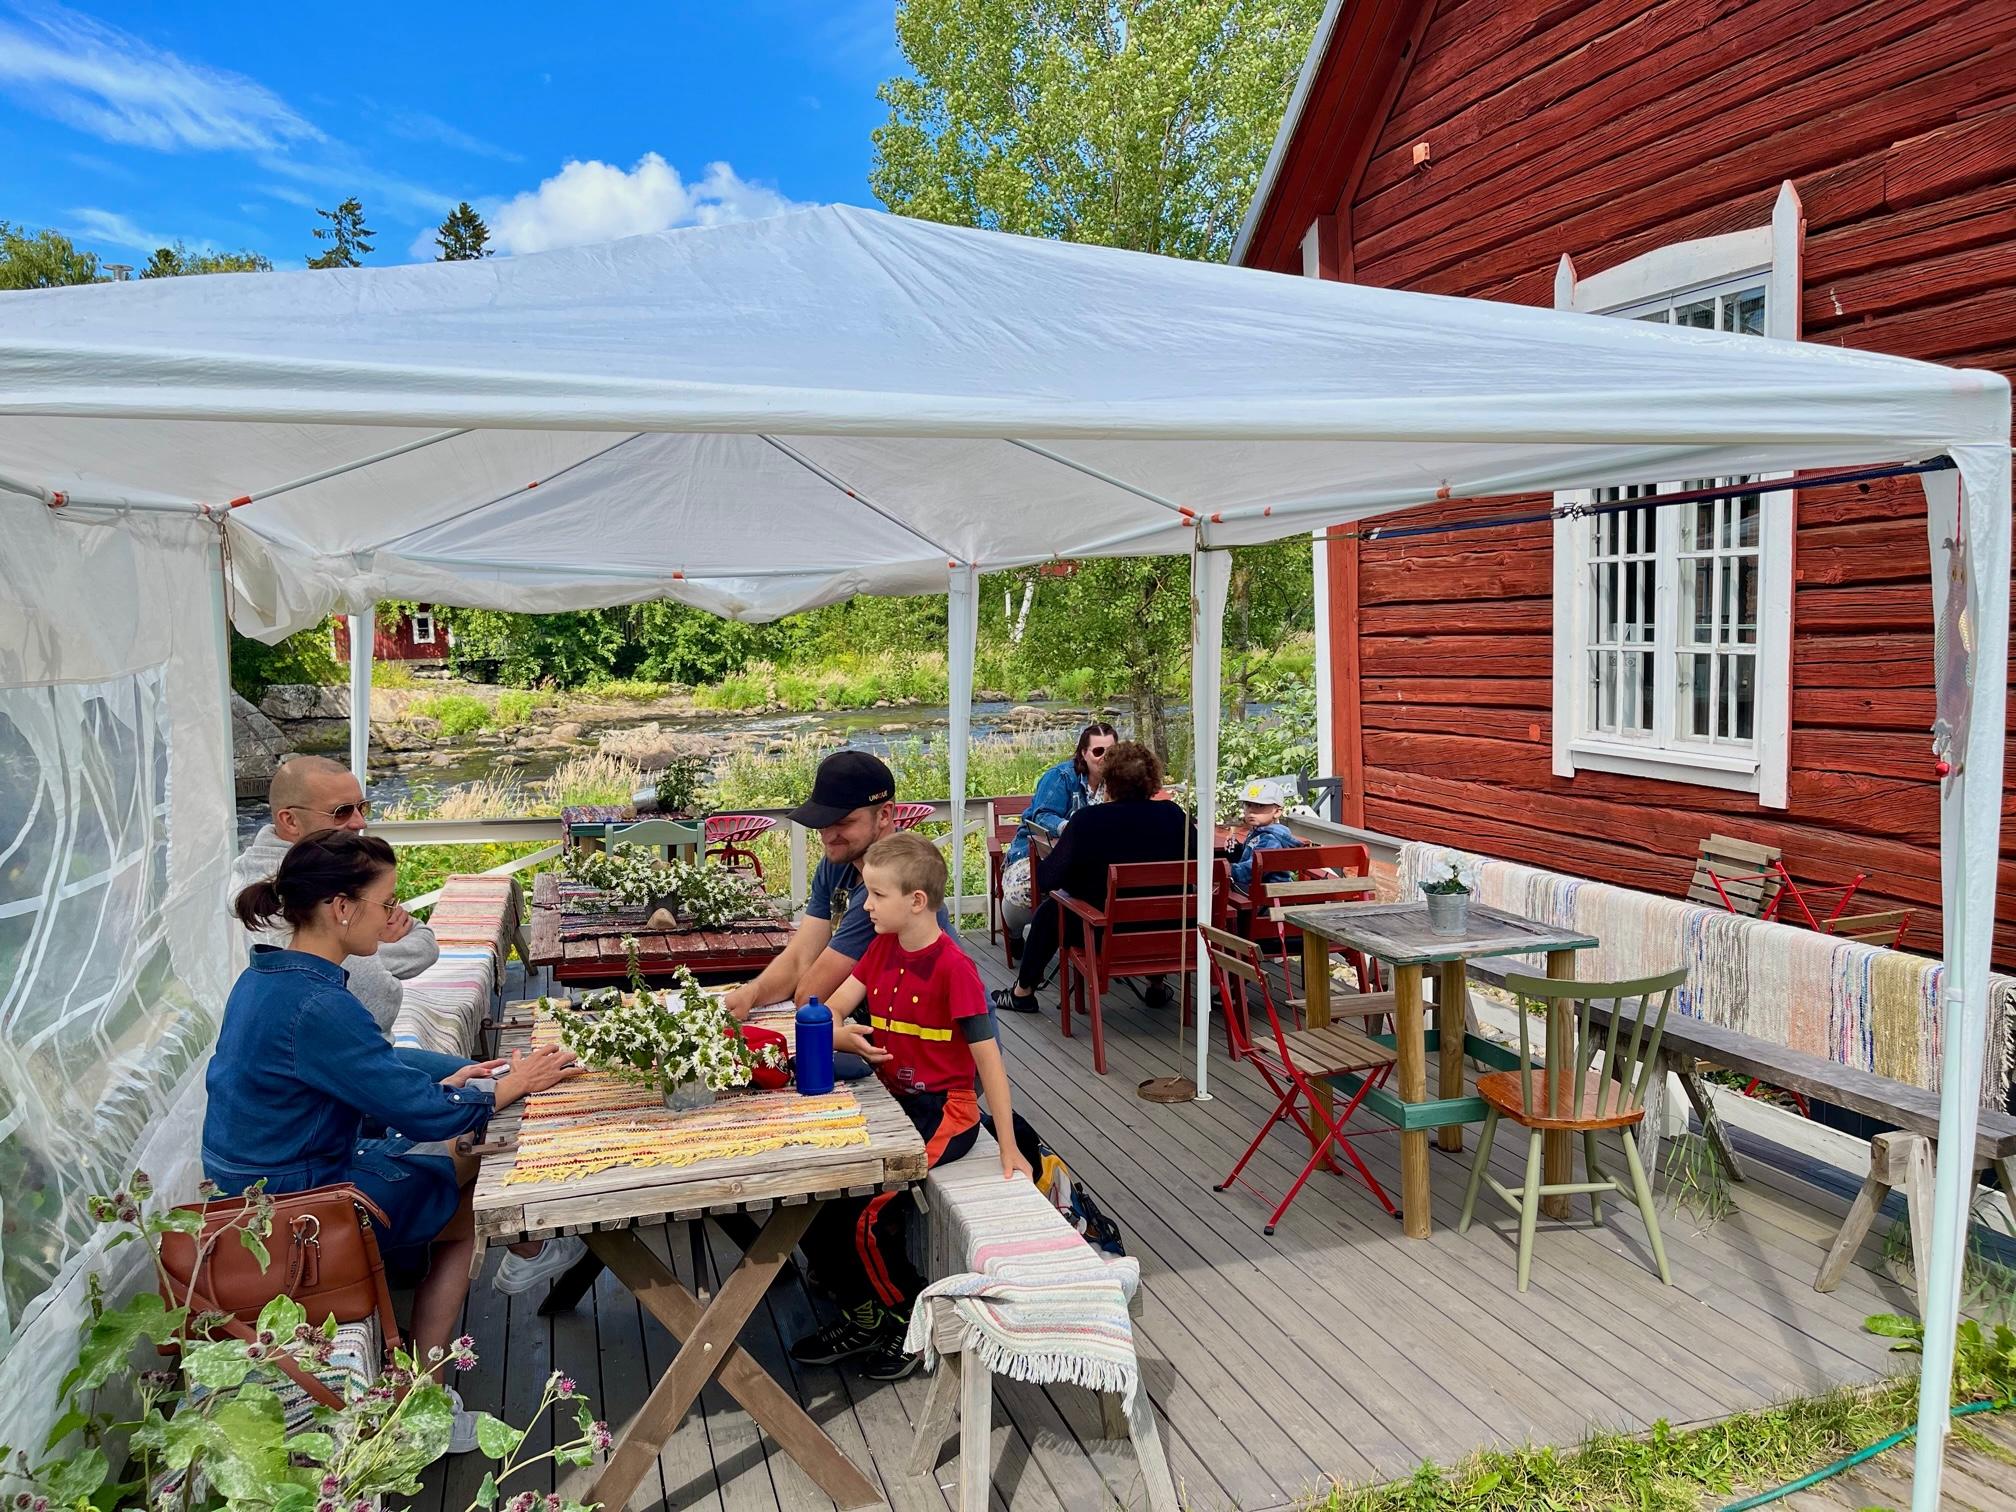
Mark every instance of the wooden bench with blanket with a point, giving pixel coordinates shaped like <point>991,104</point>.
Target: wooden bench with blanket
<point>1017,1290</point>
<point>477,920</point>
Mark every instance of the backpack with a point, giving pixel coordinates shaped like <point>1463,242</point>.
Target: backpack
<point>1066,1193</point>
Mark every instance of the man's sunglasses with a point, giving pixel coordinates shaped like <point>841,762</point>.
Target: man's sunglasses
<point>341,813</point>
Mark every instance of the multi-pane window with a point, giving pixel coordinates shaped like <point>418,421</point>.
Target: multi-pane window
<point>1671,617</point>
<point>423,628</point>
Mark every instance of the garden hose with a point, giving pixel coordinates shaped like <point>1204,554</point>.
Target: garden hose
<point>1762,1498</point>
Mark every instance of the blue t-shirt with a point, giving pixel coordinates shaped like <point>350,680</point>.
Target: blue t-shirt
<point>838,887</point>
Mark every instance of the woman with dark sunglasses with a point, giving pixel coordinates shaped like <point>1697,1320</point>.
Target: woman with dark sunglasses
<point>1060,793</point>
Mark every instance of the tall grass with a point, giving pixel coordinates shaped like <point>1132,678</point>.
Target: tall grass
<point>455,713</point>
<point>516,706</point>
<point>847,682</point>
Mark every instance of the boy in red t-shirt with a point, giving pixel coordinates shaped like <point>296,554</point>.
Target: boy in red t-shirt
<point>928,1032</point>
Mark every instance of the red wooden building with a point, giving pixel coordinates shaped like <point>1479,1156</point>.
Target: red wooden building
<point>1597,700</point>
<point>416,637</point>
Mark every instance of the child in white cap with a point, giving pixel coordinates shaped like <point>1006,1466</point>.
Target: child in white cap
<point>1263,800</point>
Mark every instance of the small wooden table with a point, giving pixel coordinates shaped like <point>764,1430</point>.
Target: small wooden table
<point>785,1187</point>
<point>1398,934</point>
<point>596,955</point>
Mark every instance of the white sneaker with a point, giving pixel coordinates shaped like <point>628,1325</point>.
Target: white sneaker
<point>518,1273</point>
<point>462,1438</point>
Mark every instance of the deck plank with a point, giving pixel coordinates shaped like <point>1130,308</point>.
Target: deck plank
<point>1335,1352</point>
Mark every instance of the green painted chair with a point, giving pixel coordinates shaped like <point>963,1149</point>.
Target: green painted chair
<point>1590,1101</point>
<point>680,838</point>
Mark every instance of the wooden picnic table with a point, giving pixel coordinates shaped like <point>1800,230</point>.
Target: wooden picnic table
<point>1398,934</point>
<point>784,1188</point>
<point>594,950</point>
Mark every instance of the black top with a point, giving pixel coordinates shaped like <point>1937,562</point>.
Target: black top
<point>1113,834</point>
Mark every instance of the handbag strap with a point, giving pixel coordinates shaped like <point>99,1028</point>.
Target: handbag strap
<point>317,1389</point>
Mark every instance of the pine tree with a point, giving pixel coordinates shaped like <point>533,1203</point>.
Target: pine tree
<point>348,237</point>
<point>463,237</point>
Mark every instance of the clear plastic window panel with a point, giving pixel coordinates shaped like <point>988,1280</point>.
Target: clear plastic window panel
<point>96,1029</point>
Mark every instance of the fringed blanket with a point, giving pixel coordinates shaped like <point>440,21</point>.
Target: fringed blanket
<point>1861,1005</point>
<point>599,1124</point>
<point>1042,1305</point>
<point>477,921</point>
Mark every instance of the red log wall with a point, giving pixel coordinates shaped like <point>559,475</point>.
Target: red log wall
<point>1604,128</point>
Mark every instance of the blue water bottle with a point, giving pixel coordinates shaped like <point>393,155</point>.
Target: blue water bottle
<point>813,1057</point>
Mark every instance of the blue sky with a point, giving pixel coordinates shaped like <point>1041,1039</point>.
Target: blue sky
<point>224,125</point>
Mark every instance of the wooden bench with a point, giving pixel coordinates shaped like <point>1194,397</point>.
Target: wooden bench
<point>963,1386</point>
<point>1902,1159</point>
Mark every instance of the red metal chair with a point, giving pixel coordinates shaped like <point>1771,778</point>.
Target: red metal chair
<point>1308,867</point>
<point>910,815</point>
<point>1291,1066</point>
<point>729,834</point>
<point>1004,818</point>
<point>1147,928</point>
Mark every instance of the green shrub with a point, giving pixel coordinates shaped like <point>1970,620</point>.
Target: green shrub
<point>456,713</point>
<point>516,706</point>
<point>303,657</point>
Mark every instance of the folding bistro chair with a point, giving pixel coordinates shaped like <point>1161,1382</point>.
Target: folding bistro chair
<point>1290,1065</point>
<point>1004,819</point>
<point>1579,1098</point>
<point>728,836</point>
<point>1885,927</point>
<point>1316,874</point>
<point>1146,928</point>
<point>910,815</point>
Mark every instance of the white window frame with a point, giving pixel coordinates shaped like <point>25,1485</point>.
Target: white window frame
<point>423,618</point>
<point>1773,252</point>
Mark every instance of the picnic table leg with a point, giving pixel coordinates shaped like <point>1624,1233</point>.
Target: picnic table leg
<point>1558,1161</point>
<point>1452,997</point>
<point>1316,1014</point>
<point>707,1350</point>
<point>1411,1045</point>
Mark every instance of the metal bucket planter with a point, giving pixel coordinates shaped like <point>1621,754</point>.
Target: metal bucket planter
<point>1448,912</point>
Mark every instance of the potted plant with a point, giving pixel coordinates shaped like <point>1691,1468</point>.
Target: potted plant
<point>679,1039</point>
<point>1448,903</point>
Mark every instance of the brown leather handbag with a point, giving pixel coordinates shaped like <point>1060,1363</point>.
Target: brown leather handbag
<point>324,1255</point>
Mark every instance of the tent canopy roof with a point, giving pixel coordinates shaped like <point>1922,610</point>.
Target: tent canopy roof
<point>766,416</point>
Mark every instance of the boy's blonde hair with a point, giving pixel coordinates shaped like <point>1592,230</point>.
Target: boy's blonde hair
<point>913,861</point>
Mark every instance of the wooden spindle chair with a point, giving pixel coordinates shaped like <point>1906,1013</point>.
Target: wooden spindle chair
<point>1578,1098</point>
<point>1004,819</point>
<point>1292,1063</point>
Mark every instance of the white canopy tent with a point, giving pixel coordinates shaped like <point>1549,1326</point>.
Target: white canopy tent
<point>765,417</point>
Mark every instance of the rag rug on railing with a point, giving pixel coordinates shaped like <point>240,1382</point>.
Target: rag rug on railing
<point>1861,1005</point>
<point>477,921</point>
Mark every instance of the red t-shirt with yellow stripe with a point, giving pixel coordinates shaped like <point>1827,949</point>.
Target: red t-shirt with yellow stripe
<point>914,1001</point>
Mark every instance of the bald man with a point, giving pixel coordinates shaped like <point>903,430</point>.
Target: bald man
<point>313,793</point>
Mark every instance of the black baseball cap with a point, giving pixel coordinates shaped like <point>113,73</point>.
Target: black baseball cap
<point>845,781</point>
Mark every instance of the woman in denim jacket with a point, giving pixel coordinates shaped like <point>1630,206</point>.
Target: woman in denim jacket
<point>300,1064</point>
<point>1060,793</point>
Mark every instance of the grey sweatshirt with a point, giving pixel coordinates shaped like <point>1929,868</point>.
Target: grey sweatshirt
<point>374,979</point>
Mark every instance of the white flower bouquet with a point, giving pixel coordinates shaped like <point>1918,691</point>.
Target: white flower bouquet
<point>677,1038</point>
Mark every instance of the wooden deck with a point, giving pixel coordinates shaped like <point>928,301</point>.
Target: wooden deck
<point>1336,1351</point>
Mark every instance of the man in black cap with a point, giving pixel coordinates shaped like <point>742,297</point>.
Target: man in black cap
<point>853,804</point>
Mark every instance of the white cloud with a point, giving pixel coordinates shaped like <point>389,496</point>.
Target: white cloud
<point>114,229</point>
<point>119,88</point>
<point>419,126</point>
<point>596,202</point>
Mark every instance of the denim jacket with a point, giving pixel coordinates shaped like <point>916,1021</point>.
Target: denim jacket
<point>1060,794</point>
<point>1266,837</point>
<point>299,1065</point>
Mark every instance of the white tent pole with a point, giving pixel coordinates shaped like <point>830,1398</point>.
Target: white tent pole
<point>962,636</point>
<point>851,492</point>
<point>1210,576</point>
<point>1970,559</point>
<point>1092,472</point>
<point>1319,562</point>
<point>348,467</point>
<point>363,634</point>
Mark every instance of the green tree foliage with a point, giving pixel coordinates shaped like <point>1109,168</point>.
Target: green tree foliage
<point>42,259</point>
<point>463,236</point>
<point>348,237</point>
<point>1132,123</point>
<point>178,261</point>
<point>304,657</point>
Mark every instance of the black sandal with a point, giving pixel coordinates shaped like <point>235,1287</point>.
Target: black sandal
<point>1005,1000</point>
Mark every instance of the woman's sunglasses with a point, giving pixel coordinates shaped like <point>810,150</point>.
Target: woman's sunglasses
<point>1097,750</point>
